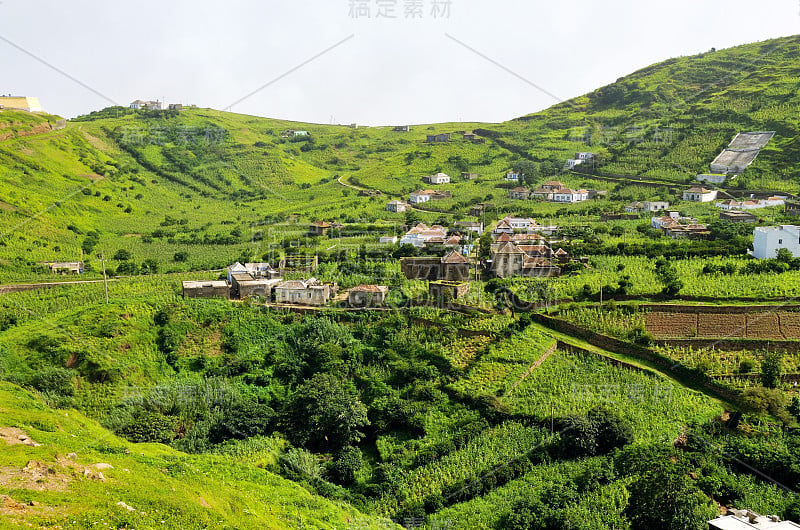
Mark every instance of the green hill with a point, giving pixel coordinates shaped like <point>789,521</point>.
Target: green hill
<point>206,182</point>
<point>60,469</point>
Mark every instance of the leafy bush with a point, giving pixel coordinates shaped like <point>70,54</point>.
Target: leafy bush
<point>150,427</point>
<point>54,380</point>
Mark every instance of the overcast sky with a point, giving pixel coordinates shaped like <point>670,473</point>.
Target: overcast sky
<point>338,60</point>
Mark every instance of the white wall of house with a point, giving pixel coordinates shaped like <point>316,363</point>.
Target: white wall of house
<point>655,206</point>
<point>700,197</point>
<point>419,198</point>
<point>768,240</point>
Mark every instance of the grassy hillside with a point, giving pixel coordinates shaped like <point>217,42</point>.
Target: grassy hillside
<point>211,185</point>
<point>670,120</point>
<point>54,472</point>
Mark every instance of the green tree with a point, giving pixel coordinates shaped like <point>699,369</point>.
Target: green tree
<point>771,369</point>
<point>667,499</point>
<point>149,266</point>
<point>325,412</point>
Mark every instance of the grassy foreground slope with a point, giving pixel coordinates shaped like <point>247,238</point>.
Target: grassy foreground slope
<point>43,485</point>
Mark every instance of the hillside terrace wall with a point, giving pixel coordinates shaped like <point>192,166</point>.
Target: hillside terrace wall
<point>729,309</point>
<point>665,364</point>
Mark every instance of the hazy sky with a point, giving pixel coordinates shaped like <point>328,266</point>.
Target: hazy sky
<point>414,68</point>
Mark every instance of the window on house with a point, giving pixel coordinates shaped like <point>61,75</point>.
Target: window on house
<point>780,241</point>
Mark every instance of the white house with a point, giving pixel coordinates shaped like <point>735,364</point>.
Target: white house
<point>439,178</point>
<point>572,163</point>
<point>388,240</point>
<point>584,156</point>
<point>698,194</point>
<point>397,206</point>
<point>418,197</point>
<point>712,178</point>
<point>655,206</point>
<point>767,240</point>
<point>751,204</point>
<point>520,223</point>
<point>570,196</point>
<point>513,176</point>
<point>660,222</point>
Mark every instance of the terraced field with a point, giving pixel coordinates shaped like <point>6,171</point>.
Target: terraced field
<point>779,325</point>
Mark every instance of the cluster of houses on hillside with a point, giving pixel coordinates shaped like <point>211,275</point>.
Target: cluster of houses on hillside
<point>423,236</point>
<point>154,105</point>
<point>677,227</point>
<point>554,191</point>
<point>262,281</point>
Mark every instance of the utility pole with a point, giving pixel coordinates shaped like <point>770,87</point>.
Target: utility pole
<point>105,278</point>
<point>601,290</point>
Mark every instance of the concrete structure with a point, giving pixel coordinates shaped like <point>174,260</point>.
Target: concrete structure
<point>388,240</point>
<point>438,138</point>
<point>421,235</point>
<point>738,216</point>
<point>262,271</point>
<point>469,176</point>
<point>470,226</point>
<point>319,228</point>
<point>510,260</point>
<point>403,128</point>
<point>741,152</point>
<point>747,520</point>
<point>751,204</point>
<point>146,105</point>
<point>419,197</point>
<point>21,103</point>
<point>767,240</point>
<point>699,194</point>
<point>713,179</point>
<point>447,290</point>
<point>570,196</point>
<point>792,208</point>
<point>452,267</point>
<point>67,267</point>
<point>397,206</point>
<point>519,193</point>
<point>256,287</point>
<point>439,178</point>
<point>367,296</point>
<point>655,206</point>
<point>513,176</point>
<point>635,207</point>
<point>304,292</point>
<point>206,289</point>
